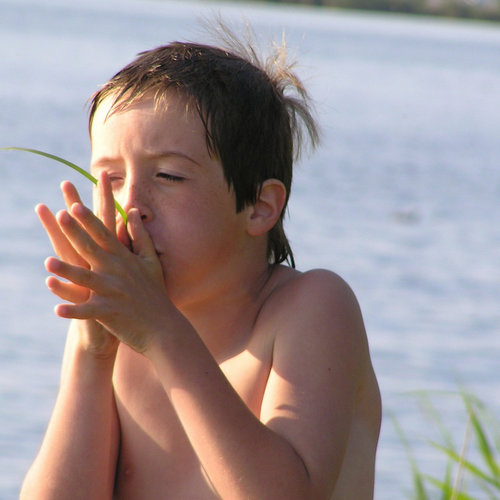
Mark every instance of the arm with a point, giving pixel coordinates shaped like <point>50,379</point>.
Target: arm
<point>311,391</point>
<point>77,458</point>
<point>296,449</point>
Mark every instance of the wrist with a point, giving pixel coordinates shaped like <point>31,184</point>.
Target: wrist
<point>173,343</point>
<point>94,340</point>
<point>85,372</point>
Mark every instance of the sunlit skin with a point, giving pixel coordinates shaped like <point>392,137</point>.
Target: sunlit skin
<point>193,369</point>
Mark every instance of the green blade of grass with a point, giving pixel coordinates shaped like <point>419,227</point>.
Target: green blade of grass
<point>473,469</point>
<point>484,446</point>
<point>418,483</point>
<point>447,489</point>
<point>447,481</point>
<point>80,170</point>
<point>430,410</point>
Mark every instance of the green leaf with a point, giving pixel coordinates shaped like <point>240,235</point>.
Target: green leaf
<point>80,170</point>
<point>484,446</point>
<point>447,481</point>
<point>448,491</point>
<point>430,410</point>
<point>473,469</point>
<point>418,483</point>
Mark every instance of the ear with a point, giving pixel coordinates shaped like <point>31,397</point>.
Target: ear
<point>264,214</point>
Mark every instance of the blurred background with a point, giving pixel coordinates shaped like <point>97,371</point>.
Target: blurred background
<point>401,198</point>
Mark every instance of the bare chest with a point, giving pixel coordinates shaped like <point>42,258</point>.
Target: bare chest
<point>155,455</point>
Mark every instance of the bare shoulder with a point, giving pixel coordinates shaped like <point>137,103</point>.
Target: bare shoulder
<point>317,313</point>
<point>318,305</point>
<point>318,285</point>
<point>322,381</point>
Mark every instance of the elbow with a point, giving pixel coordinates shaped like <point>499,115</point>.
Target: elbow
<point>27,491</point>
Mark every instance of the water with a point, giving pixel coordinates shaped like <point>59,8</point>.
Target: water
<point>401,199</point>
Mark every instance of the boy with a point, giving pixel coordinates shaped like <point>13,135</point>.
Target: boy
<point>197,365</point>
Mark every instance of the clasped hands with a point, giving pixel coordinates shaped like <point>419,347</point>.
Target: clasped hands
<point>108,274</point>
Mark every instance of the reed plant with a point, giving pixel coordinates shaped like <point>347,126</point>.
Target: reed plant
<point>70,164</point>
<point>469,470</point>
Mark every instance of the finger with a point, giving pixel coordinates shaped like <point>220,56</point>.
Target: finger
<point>67,291</point>
<point>75,311</point>
<point>92,230</point>
<point>142,244</point>
<point>91,309</point>
<point>106,205</point>
<point>122,233</point>
<point>105,209</point>
<point>70,194</point>
<point>62,246</point>
<point>75,274</point>
<point>88,235</point>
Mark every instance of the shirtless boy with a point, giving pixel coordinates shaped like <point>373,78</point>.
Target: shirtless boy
<point>198,365</point>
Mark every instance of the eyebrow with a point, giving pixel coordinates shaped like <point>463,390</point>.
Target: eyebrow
<point>165,154</point>
<point>107,160</point>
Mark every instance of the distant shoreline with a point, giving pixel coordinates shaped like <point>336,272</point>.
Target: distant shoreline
<point>484,10</point>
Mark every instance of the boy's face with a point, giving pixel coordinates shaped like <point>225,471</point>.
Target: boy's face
<point>158,162</point>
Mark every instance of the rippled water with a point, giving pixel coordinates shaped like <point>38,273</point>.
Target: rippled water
<point>401,199</point>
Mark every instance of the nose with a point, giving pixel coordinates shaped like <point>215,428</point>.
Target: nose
<point>135,194</point>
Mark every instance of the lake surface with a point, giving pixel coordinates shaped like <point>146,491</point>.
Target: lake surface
<point>401,199</point>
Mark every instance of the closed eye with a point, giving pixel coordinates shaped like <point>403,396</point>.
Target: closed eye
<point>170,177</point>
<point>115,179</point>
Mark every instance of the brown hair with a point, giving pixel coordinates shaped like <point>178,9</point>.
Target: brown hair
<point>254,113</point>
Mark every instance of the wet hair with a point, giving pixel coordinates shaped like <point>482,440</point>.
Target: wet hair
<point>256,113</point>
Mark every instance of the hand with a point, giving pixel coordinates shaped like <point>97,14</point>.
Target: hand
<point>93,336</point>
<point>127,291</point>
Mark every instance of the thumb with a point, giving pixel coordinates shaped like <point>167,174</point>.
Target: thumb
<point>121,233</point>
<point>141,242</point>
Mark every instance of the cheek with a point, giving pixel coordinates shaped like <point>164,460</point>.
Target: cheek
<point>197,233</point>
<point>201,221</point>
<point>204,210</point>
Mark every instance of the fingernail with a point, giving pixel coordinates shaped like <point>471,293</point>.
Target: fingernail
<point>52,264</point>
<point>64,217</point>
<point>50,282</point>
<point>77,208</point>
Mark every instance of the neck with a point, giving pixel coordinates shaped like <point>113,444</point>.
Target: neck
<point>224,318</point>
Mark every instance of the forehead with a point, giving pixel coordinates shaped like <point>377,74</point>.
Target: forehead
<point>169,103</point>
<point>153,121</point>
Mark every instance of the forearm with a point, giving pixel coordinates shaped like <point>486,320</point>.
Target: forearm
<point>78,454</point>
<point>242,457</point>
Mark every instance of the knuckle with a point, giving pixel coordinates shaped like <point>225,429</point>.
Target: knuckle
<point>87,276</point>
<point>101,232</point>
<point>89,247</point>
